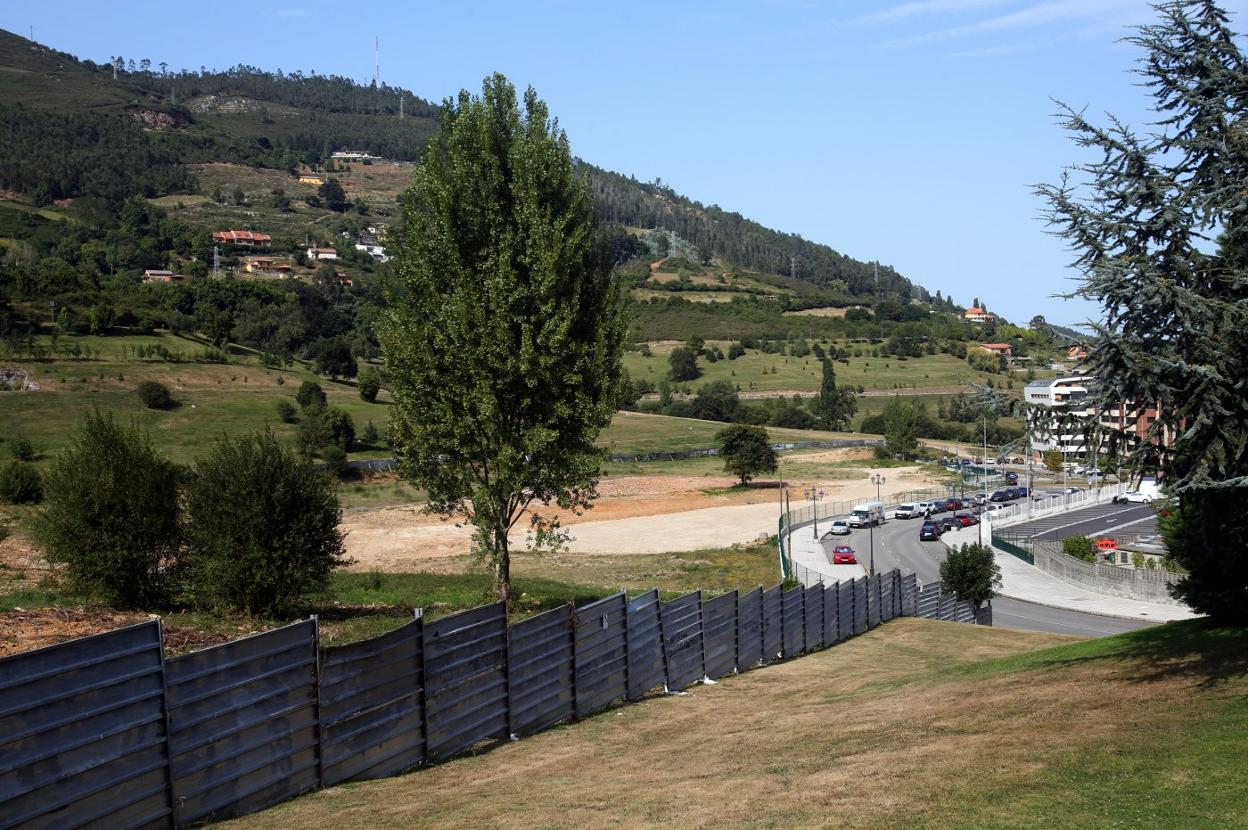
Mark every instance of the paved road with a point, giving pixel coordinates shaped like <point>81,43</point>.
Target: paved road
<point>1135,519</point>
<point>897,545</point>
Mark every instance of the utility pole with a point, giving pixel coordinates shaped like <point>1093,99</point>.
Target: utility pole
<point>814,493</point>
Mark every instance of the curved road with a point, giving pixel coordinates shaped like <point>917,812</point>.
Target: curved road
<point>897,545</point>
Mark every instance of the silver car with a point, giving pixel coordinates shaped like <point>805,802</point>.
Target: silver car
<point>840,527</point>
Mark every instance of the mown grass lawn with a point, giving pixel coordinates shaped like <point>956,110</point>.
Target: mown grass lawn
<point>917,724</point>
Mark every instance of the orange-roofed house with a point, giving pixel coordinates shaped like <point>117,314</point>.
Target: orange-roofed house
<point>978,315</point>
<point>242,239</point>
<point>1002,349</point>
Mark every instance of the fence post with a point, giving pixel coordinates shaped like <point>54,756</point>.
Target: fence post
<point>175,813</point>
<point>320,730</point>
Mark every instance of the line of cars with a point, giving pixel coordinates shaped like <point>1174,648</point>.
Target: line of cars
<point>932,528</point>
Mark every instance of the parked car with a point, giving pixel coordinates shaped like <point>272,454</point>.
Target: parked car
<point>950,504</point>
<point>928,507</point>
<point>1000,496</point>
<point>839,527</point>
<point>929,532</point>
<point>1093,475</point>
<point>1070,491</point>
<point>909,510</point>
<point>843,555</point>
<point>990,508</point>
<point>949,523</point>
<point>1133,497</point>
<point>1016,461</point>
<point>1011,477</point>
<point>979,498</point>
<point>966,519</point>
<point>1020,492</point>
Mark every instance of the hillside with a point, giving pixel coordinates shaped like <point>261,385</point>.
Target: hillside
<point>255,117</point>
<point>915,725</point>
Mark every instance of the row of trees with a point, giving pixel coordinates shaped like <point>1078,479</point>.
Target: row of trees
<point>250,526</point>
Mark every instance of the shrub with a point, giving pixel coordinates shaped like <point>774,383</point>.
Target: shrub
<point>323,428</point>
<point>262,527</point>
<point>370,436</point>
<point>335,460</point>
<point>1080,547</point>
<point>20,483</point>
<point>22,449</point>
<point>110,513</point>
<point>155,395</point>
<point>286,411</point>
<point>310,395</point>
<point>369,385</point>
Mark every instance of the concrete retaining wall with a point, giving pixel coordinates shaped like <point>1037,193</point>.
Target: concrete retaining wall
<point>1130,583</point>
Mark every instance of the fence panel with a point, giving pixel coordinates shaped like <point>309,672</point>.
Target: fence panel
<point>860,605</point>
<point>749,629</point>
<point>773,624</point>
<point>813,605</point>
<point>682,640</point>
<point>983,614</point>
<point>831,613</point>
<point>845,609</point>
<point>82,733</point>
<point>873,601</point>
<point>928,603</point>
<point>541,664</point>
<point>645,645</point>
<point>373,706</point>
<point>888,595</point>
<point>243,723</point>
<point>948,606</point>
<point>793,613</point>
<point>601,653</point>
<point>909,595</point>
<point>719,635</point>
<point>964,612</point>
<point>465,679</point>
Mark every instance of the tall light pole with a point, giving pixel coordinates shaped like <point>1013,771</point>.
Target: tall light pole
<point>877,479</point>
<point>814,493</point>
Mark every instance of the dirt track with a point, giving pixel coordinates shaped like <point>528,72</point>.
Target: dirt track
<point>636,514</point>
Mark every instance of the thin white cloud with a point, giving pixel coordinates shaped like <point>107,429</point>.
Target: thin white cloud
<point>1034,16</point>
<point>918,8</point>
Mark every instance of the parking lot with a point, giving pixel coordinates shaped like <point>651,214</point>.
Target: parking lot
<point>1137,520</point>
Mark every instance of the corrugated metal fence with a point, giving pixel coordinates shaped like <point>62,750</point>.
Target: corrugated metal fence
<point>105,732</point>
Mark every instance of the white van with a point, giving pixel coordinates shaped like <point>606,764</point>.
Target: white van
<point>909,510</point>
<point>868,514</point>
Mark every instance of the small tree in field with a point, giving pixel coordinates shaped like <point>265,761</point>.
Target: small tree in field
<point>369,385</point>
<point>155,395</point>
<point>746,451</point>
<point>110,514</point>
<point>972,573</point>
<point>262,529</point>
<point>310,395</point>
<point>1052,460</point>
<point>683,364</point>
<point>503,346</point>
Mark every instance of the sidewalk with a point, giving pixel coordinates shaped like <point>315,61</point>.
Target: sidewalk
<point>1028,583</point>
<point>811,562</point>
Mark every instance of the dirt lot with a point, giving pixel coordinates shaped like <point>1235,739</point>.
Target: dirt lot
<point>636,515</point>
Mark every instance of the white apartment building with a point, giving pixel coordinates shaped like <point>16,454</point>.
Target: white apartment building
<point>1064,395</point>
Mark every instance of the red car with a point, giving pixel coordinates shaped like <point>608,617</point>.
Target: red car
<point>843,555</point>
<point>966,519</point>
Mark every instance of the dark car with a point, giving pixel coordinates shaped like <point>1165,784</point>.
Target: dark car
<point>1020,492</point>
<point>1000,496</point>
<point>929,532</point>
<point>949,523</point>
<point>1011,477</point>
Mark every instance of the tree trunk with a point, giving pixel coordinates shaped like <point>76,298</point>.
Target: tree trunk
<point>502,567</point>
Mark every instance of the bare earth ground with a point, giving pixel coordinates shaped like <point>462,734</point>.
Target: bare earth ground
<point>844,737</point>
<point>635,515</point>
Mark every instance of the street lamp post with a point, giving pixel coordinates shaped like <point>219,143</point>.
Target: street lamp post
<point>877,479</point>
<point>814,493</point>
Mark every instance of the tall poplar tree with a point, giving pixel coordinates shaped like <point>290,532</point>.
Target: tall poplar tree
<point>1140,216</point>
<point>836,405</point>
<point>504,333</point>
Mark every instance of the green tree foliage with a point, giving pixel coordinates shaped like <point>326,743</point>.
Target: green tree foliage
<point>20,483</point>
<point>333,196</point>
<point>746,451</point>
<point>972,573</point>
<point>110,514</point>
<point>310,395</point>
<point>902,420</point>
<point>836,406</point>
<point>503,346</point>
<point>1080,547</point>
<point>369,385</point>
<point>370,437</point>
<point>735,350</point>
<point>22,449</point>
<point>1052,460</point>
<point>286,411</point>
<point>262,529</point>
<point>1175,308</point>
<point>334,358</point>
<point>683,364</point>
<point>155,395</point>
<point>716,401</point>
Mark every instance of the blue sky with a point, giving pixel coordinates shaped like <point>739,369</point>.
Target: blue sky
<point>908,131</point>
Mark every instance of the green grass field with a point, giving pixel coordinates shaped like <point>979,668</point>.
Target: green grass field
<point>634,432</point>
<point>756,371</point>
<point>917,724</point>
